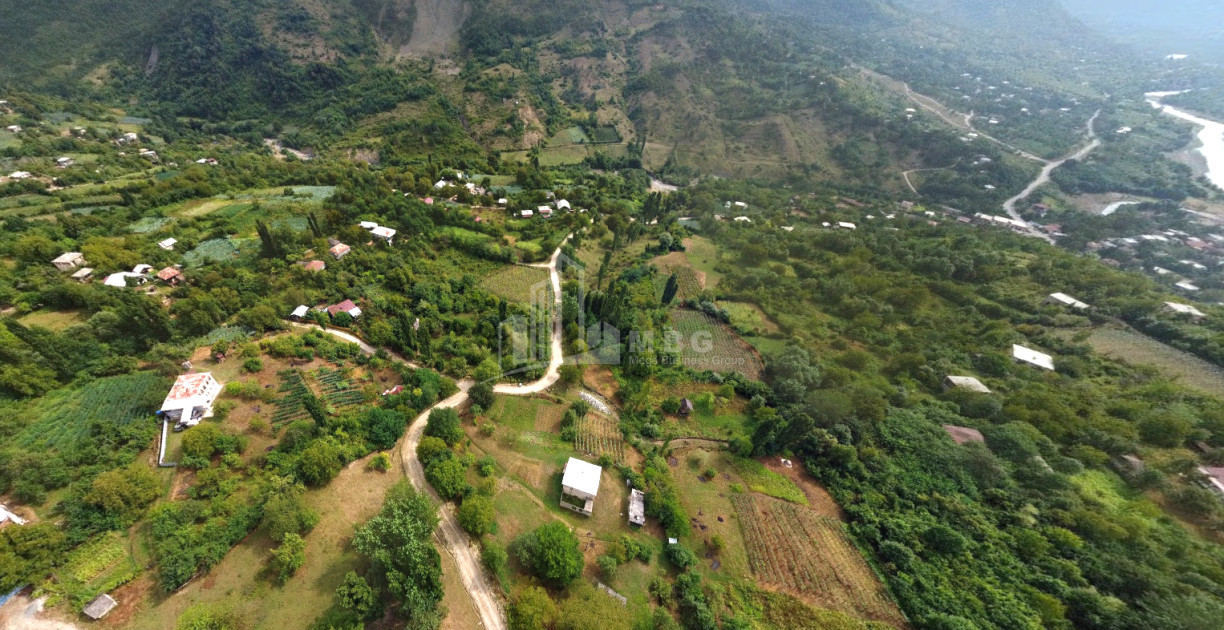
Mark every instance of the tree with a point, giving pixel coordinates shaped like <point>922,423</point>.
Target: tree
<point>356,595</point>
<point>284,513</point>
<point>399,543</point>
<point>1167,427</point>
<point>532,609</point>
<point>482,394</point>
<point>124,493</point>
<point>319,463</point>
<point>260,317</point>
<point>28,552</point>
<point>448,477</point>
<point>551,552</point>
<point>432,449</point>
<point>670,289</point>
<point>288,557</point>
<point>476,515</point>
<point>383,428</point>
<point>681,557</point>
<point>444,424</point>
<point>201,441</point>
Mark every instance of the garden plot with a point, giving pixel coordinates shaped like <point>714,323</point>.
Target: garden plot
<point>708,344</point>
<point>337,390</point>
<point>516,283</point>
<point>598,435</point>
<point>797,550</point>
<point>291,406</point>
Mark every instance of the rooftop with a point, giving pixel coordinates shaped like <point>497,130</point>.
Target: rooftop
<point>581,476</point>
<point>190,386</point>
<point>637,507</point>
<point>1184,309</point>
<point>316,265</point>
<point>1066,300</point>
<point>101,605</point>
<point>968,382</point>
<point>1032,357</point>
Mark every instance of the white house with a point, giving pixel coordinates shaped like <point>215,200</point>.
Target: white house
<point>1184,309</point>
<point>64,162</point>
<point>846,225</point>
<point>207,161</point>
<point>142,269</point>
<point>742,220</point>
<point>502,201</point>
<point>1186,285</point>
<point>545,211</point>
<point>1065,300</point>
<point>564,205</point>
<point>1032,357</point>
<point>82,274</point>
<point>127,138</point>
<point>527,214</point>
<point>100,606</point>
<point>300,312</point>
<point>368,225</point>
<point>441,183</point>
<point>20,175</point>
<point>120,279</point>
<point>385,233</point>
<point>637,507</point>
<point>69,261</point>
<point>579,485</point>
<point>965,382</point>
<point>190,399</point>
<point>168,244</point>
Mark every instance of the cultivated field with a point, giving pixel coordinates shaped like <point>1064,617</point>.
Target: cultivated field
<point>110,402</point>
<point>690,284</point>
<point>749,317</point>
<point>598,435</point>
<point>796,550</point>
<point>1138,349</point>
<point>516,283</point>
<point>708,344</point>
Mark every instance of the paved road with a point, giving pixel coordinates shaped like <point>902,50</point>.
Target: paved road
<point>1043,177</point>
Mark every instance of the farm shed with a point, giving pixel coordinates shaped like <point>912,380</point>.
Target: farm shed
<point>1194,314</point>
<point>299,313</point>
<point>385,233</point>
<point>69,261</point>
<point>82,274</point>
<point>686,407</point>
<point>170,275</point>
<point>1032,357</point>
<point>120,279</point>
<point>1062,299</point>
<point>100,606</point>
<point>637,507</point>
<point>965,382</point>
<point>579,485</point>
<point>190,399</point>
<point>168,244</point>
<point>962,435</point>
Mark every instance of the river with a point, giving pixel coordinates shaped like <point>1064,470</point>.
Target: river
<point>1211,136</point>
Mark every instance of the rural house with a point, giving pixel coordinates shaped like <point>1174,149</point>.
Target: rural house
<point>1190,312</point>
<point>170,276</point>
<point>120,279</point>
<point>168,244</point>
<point>100,606</point>
<point>965,382</point>
<point>83,274</point>
<point>316,265</point>
<point>1186,285</point>
<point>384,233</point>
<point>963,435</point>
<point>527,214</point>
<point>686,407</point>
<point>8,518</point>
<point>190,399</point>
<point>1032,357</point>
<point>579,485</point>
<point>299,313</point>
<point>64,162</point>
<point>637,507</point>
<point>346,306</point>
<point>340,250</point>
<point>1062,299</point>
<point>69,261</point>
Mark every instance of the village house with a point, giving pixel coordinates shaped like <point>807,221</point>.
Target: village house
<point>564,205</point>
<point>963,435</point>
<point>83,274</point>
<point>1214,478</point>
<point>346,306</point>
<point>190,400</point>
<point>1185,285</point>
<point>637,507</point>
<point>100,606</point>
<point>386,234</point>
<point>742,220</point>
<point>846,225</point>
<point>1190,312</point>
<point>9,518</point>
<point>316,265</point>
<point>168,244</point>
<point>127,138</point>
<point>120,279</point>
<point>965,382</point>
<point>527,214</point>
<point>171,276</point>
<point>299,313</point>
<point>13,128</point>
<point>1062,299</point>
<point>544,211</point>
<point>21,175</point>
<point>579,485</point>
<point>69,261</point>
<point>207,161</point>
<point>340,250</point>
<point>1032,357</point>
<point>64,162</point>
<point>142,269</point>
<point>686,407</point>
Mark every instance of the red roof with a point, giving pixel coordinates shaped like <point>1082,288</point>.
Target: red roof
<point>190,386</point>
<point>342,307</point>
<point>169,273</point>
<point>316,265</point>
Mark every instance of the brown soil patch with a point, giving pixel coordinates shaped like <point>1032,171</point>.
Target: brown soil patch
<point>601,380</point>
<point>819,499</point>
<point>548,418</point>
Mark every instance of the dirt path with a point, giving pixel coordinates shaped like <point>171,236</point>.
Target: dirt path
<point>436,27</point>
<point>20,613</point>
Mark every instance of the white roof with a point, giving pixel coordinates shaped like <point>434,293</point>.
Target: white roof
<point>1186,285</point>
<point>1067,300</point>
<point>442,183</point>
<point>503,201</point>
<point>743,219</point>
<point>846,225</point>
<point>544,209</point>
<point>741,204</point>
<point>384,232</point>
<point>192,390</point>
<point>1032,357</point>
<point>563,204</point>
<point>354,312</point>
<point>637,507</point>
<point>168,243</point>
<point>301,311</point>
<point>142,269</point>
<point>120,279</point>
<point>788,228</point>
<point>368,225</point>
<point>969,382</point>
<point>83,272</point>
<point>1185,309</point>
<point>528,213</point>
<point>581,476</point>
<point>6,515</point>
<point>20,175</point>
<point>69,257</point>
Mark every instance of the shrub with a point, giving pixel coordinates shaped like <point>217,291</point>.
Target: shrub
<point>531,609</point>
<point>607,566</point>
<point>253,364</point>
<point>380,462</point>
<point>550,552</point>
<point>319,463</point>
<point>447,476</point>
<point>493,557</point>
<point>444,424</point>
<point>288,557</point>
<point>355,594</point>
<point>476,515</point>
<point>681,557</point>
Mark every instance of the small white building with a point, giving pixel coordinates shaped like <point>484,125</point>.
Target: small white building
<point>742,220</point>
<point>637,507</point>
<point>1186,285</point>
<point>20,175</point>
<point>845,225</point>
<point>100,606</point>
<point>168,244</point>
<point>13,128</point>
<point>564,205</point>
<point>127,138</point>
<point>64,162</point>
<point>119,280</point>
<point>579,485</point>
<point>502,201</point>
<point>440,184</point>
<point>142,269</point>
<point>7,517</point>
<point>207,161</point>
<point>191,398</point>
<point>340,250</point>
<point>1194,314</point>
<point>385,233</point>
<point>300,312</point>
<point>82,274</point>
<point>1065,300</point>
<point>69,261</point>
<point>367,225</point>
<point>1032,357</point>
<point>527,214</point>
<point>965,382</point>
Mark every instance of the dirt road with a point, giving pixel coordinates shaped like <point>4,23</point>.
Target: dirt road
<point>20,613</point>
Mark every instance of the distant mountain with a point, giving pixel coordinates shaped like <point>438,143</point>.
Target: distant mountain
<point>1160,27</point>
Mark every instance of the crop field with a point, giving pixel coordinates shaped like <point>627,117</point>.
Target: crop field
<point>1138,349</point>
<point>337,390</point>
<point>290,407</point>
<point>750,317</point>
<point>216,250</point>
<point>688,281</point>
<point>598,435</point>
<point>149,224</point>
<point>708,344</point>
<point>96,567</point>
<point>54,320</point>
<point>516,283</point>
<point>107,404</point>
<point>809,555</point>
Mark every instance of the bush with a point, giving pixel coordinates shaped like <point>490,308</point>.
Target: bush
<point>319,463</point>
<point>448,477</point>
<point>493,557</point>
<point>382,428</point>
<point>487,466</point>
<point>432,449</point>
<point>380,462</point>
<point>681,557</point>
<point>531,609</point>
<point>444,424</point>
<point>607,566</point>
<point>550,552</point>
<point>476,515</point>
<point>200,441</point>
<point>355,594</point>
<point>253,364</point>
<point>288,557</point>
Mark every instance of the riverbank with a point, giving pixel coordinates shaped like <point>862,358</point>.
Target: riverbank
<point>1210,138</point>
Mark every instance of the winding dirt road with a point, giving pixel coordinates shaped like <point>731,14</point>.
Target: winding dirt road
<point>457,542</point>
